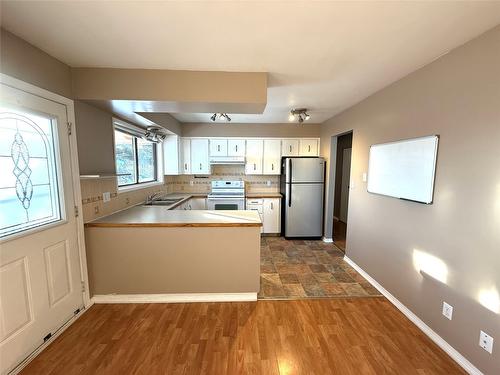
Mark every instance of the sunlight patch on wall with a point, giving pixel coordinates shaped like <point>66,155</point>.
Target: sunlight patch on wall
<point>497,203</point>
<point>490,299</point>
<point>430,265</point>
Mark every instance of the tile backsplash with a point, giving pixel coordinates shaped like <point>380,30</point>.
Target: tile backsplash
<point>201,184</point>
<point>92,200</point>
<point>92,190</point>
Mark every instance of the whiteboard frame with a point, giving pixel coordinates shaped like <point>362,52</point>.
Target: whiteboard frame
<point>436,136</point>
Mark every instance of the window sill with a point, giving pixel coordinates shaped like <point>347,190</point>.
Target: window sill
<point>124,189</point>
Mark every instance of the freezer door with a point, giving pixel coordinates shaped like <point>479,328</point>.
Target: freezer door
<point>305,169</point>
<point>304,210</point>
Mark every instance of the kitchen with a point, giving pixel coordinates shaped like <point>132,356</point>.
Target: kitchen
<point>179,195</point>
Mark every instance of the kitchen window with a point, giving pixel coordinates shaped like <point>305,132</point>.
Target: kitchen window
<point>136,159</point>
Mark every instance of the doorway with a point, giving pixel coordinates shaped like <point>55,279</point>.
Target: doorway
<point>40,265</point>
<point>341,189</point>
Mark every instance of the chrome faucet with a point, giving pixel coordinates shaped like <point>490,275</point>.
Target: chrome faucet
<point>150,198</point>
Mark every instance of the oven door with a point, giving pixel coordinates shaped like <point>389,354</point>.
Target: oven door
<point>226,203</point>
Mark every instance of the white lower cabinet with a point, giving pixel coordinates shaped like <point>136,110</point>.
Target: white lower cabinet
<point>269,210</point>
<point>257,205</point>
<point>272,215</point>
<point>197,204</point>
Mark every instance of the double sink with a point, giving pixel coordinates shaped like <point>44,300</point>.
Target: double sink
<point>162,201</point>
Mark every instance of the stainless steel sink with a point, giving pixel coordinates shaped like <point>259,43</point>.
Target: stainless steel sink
<point>163,201</point>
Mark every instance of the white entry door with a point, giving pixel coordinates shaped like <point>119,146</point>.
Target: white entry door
<point>40,276</point>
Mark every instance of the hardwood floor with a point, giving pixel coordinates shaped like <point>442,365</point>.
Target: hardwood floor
<point>325,336</point>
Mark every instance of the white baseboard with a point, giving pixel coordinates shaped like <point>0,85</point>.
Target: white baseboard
<point>327,240</point>
<point>452,352</point>
<point>174,298</point>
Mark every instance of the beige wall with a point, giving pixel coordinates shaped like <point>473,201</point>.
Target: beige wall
<point>457,97</point>
<point>250,130</point>
<point>94,130</point>
<point>23,61</point>
<point>175,260</point>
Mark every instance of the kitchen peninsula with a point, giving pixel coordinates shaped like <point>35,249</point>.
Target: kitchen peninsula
<point>152,254</point>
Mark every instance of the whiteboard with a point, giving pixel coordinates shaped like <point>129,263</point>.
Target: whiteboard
<point>404,169</point>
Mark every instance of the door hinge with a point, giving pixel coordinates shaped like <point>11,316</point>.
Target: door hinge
<point>49,335</point>
<point>69,127</point>
<point>77,211</point>
<point>83,287</point>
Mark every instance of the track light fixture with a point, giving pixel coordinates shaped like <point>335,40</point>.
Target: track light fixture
<point>300,114</point>
<point>155,134</point>
<point>220,116</point>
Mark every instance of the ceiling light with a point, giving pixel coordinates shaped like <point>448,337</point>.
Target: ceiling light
<point>300,114</point>
<point>155,134</point>
<point>220,116</point>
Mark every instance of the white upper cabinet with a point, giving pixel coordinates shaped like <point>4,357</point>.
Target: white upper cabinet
<point>200,163</point>
<point>186,156</point>
<point>290,147</point>
<point>308,147</point>
<point>272,156</point>
<point>272,215</point>
<point>254,156</point>
<point>218,147</point>
<point>171,155</point>
<point>236,147</point>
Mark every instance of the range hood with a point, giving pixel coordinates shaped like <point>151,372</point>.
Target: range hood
<point>225,160</point>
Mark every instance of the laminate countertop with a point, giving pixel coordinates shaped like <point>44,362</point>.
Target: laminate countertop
<point>263,195</point>
<point>157,216</point>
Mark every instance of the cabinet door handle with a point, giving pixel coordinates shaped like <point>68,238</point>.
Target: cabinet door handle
<point>290,148</point>
<point>218,147</point>
<point>200,167</point>
<point>236,148</point>
<point>272,207</point>
<point>272,166</point>
<point>309,148</point>
<point>185,166</point>
<point>254,166</point>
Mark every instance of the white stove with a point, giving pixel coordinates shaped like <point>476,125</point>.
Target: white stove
<point>227,195</point>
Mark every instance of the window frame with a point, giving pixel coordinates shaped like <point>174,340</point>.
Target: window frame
<point>119,125</point>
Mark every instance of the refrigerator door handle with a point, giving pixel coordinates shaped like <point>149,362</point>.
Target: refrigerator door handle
<point>290,184</point>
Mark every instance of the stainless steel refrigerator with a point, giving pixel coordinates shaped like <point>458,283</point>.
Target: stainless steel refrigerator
<point>302,185</point>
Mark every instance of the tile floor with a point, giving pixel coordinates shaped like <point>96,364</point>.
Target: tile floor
<point>292,269</point>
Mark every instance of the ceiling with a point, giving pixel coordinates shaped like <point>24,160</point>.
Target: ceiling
<point>325,56</point>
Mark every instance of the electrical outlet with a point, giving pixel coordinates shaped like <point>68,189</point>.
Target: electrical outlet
<point>486,342</point>
<point>268,183</point>
<point>106,197</point>
<point>447,310</point>
<point>96,210</point>
<point>191,182</point>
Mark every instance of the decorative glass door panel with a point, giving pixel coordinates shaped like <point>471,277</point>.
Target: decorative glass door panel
<point>29,191</point>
